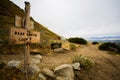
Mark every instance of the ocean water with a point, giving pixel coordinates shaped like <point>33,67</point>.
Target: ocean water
<point>99,40</point>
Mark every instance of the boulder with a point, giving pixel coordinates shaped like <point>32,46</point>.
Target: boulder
<point>64,72</point>
<point>59,50</point>
<point>76,66</point>
<point>48,72</point>
<point>34,61</point>
<point>60,78</point>
<point>34,69</point>
<point>62,67</point>
<point>13,63</point>
<point>41,77</point>
<point>39,57</point>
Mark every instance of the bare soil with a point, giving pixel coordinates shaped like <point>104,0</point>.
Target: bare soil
<point>106,66</point>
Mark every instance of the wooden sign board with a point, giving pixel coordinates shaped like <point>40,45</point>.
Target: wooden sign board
<point>18,21</point>
<point>34,37</point>
<point>31,25</point>
<point>17,36</point>
<point>22,36</point>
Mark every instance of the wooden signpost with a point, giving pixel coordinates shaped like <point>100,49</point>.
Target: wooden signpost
<point>24,36</point>
<point>27,46</point>
<point>18,21</point>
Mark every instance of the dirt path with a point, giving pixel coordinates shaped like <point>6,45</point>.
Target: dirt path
<point>106,67</point>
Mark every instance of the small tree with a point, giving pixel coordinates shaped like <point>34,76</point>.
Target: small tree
<point>77,40</point>
<point>94,43</point>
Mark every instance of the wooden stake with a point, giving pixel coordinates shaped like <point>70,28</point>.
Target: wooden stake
<point>27,46</point>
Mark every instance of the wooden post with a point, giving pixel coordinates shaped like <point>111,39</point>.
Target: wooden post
<point>27,46</point>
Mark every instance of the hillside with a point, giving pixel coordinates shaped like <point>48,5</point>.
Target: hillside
<point>8,10</point>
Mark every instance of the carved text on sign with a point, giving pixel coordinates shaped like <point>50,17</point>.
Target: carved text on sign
<point>22,36</point>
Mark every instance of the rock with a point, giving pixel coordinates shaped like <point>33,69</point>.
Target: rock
<point>64,72</point>
<point>34,69</point>
<point>34,61</point>
<point>13,63</point>
<point>60,78</point>
<point>48,72</point>
<point>59,50</point>
<point>62,67</point>
<point>41,77</point>
<point>76,66</point>
<point>38,57</point>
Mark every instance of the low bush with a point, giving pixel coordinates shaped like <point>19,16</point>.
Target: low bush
<point>84,61</point>
<point>72,46</point>
<point>110,47</point>
<point>94,43</point>
<point>77,40</point>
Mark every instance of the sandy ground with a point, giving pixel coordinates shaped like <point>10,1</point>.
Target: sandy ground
<point>106,66</point>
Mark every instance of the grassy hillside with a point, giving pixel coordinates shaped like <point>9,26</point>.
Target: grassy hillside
<point>8,10</point>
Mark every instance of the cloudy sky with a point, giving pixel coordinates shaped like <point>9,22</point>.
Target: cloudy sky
<point>77,18</point>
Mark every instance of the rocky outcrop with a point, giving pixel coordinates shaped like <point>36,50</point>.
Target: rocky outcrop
<point>64,72</point>
<point>34,69</point>
<point>14,63</point>
<point>42,77</point>
<point>48,72</point>
<point>76,66</point>
<point>39,57</point>
<point>36,59</point>
<point>59,50</point>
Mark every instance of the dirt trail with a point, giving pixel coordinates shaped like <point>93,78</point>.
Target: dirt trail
<point>106,67</point>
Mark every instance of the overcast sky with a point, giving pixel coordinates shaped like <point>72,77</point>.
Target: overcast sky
<point>77,18</point>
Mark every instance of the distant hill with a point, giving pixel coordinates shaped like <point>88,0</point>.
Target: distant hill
<point>115,39</point>
<point>8,10</point>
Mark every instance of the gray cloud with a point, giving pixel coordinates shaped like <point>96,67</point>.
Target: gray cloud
<point>77,17</point>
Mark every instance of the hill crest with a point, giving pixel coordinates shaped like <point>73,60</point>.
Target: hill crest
<point>8,10</point>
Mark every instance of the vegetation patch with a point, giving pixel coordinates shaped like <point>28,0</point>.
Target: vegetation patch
<point>77,40</point>
<point>94,43</point>
<point>72,46</point>
<point>85,62</point>
<point>110,47</point>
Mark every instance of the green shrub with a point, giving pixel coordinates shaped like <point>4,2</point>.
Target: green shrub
<point>94,43</point>
<point>72,46</point>
<point>84,61</point>
<point>77,40</point>
<point>109,47</point>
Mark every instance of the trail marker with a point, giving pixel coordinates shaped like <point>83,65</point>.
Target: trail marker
<point>18,21</point>
<point>22,36</point>
<point>25,36</point>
